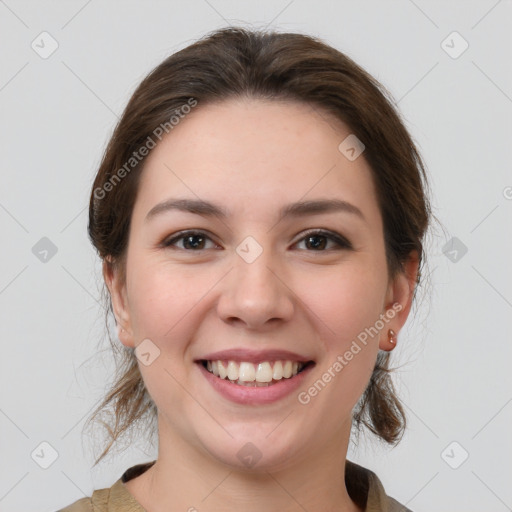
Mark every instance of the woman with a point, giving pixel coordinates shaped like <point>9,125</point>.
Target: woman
<point>259,211</point>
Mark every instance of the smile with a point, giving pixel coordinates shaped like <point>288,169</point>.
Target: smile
<point>254,377</point>
<point>262,374</point>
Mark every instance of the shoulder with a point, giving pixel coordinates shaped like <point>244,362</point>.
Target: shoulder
<point>112,499</point>
<point>379,500</point>
<point>83,505</point>
<point>98,502</point>
<point>394,506</point>
<point>365,487</point>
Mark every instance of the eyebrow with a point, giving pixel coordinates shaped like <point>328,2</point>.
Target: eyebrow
<point>299,209</point>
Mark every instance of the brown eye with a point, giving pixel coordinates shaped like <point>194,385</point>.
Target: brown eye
<point>320,240</point>
<point>316,242</point>
<point>189,241</point>
<point>193,242</point>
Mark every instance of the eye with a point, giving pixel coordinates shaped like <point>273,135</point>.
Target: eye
<point>190,240</point>
<point>314,240</point>
<point>319,240</point>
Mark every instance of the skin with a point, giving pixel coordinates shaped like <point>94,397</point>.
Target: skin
<point>252,157</point>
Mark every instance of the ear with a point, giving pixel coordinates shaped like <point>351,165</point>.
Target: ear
<point>399,299</point>
<point>117,288</point>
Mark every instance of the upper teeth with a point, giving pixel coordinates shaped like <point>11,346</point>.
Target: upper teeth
<point>249,372</point>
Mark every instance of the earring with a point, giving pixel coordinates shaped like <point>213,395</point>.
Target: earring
<point>391,336</point>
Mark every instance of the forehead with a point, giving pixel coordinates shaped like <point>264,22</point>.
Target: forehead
<point>254,155</point>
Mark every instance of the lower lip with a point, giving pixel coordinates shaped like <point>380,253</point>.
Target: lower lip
<point>254,394</point>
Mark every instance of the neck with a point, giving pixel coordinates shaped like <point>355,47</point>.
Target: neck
<point>184,478</point>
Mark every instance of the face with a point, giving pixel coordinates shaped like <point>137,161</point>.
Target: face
<point>256,242</point>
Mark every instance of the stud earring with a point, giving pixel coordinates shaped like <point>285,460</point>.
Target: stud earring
<point>391,336</point>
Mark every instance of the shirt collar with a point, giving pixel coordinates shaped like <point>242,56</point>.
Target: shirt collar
<point>363,487</point>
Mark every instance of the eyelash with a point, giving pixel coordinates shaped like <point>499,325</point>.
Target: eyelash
<point>340,241</point>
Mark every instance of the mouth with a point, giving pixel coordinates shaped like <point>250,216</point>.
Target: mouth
<point>255,374</point>
<point>254,377</point>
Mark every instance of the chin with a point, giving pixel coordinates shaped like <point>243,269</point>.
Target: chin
<point>255,450</point>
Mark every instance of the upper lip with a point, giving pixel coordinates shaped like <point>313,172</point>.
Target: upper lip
<point>254,356</point>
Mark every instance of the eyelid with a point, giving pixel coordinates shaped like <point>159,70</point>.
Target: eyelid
<point>341,241</point>
<point>172,239</point>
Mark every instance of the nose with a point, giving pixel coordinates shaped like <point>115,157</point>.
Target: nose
<point>255,295</point>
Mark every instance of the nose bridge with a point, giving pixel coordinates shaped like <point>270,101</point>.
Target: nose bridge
<point>253,292</point>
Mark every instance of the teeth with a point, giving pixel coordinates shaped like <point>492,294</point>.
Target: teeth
<point>222,370</point>
<point>247,372</point>
<point>262,374</point>
<point>287,369</point>
<point>278,370</point>
<point>232,371</point>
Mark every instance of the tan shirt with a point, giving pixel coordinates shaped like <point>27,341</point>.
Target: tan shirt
<point>363,486</point>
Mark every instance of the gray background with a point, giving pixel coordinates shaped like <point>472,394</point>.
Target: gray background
<point>56,116</point>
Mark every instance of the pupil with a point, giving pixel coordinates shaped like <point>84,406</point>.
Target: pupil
<point>189,241</point>
<point>319,244</point>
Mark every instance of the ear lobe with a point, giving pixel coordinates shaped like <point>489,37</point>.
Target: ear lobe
<point>401,291</point>
<point>117,289</point>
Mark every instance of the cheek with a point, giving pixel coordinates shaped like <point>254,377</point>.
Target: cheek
<point>345,302</point>
<point>163,297</point>
<point>164,303</point>
<point>346,306</point>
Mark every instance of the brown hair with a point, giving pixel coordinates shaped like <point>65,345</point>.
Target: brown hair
<point>236,62</point>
